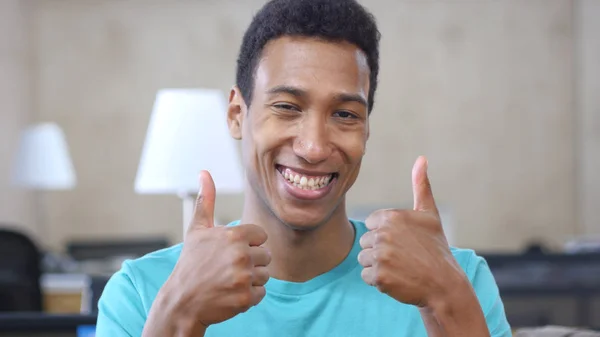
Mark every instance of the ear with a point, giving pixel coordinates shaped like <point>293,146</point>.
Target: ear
<point>235,113</point>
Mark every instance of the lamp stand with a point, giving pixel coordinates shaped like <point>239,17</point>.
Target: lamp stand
<point>40,218</point>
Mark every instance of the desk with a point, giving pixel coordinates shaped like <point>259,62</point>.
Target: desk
<point>549,289</point>
<point>39,324</point>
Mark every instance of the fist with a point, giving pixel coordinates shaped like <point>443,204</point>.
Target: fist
<point>405,253</point>
<point>222,270</point>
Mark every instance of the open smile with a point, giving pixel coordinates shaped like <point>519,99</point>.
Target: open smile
<point>306,185</point>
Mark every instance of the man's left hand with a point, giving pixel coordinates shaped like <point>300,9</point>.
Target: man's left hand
<point>405,252</point>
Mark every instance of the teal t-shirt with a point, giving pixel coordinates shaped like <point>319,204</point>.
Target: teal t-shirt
<point>335,304</point>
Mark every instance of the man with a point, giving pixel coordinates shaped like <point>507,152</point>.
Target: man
<point>295,265</point>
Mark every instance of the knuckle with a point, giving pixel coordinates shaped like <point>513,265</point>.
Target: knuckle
<point>383,236</point>
<point>242,280</point>
<point>436,225</point>
<point>261,233</point>
<point>260,293</point>
<point>242,258</point>
<point>259,279</point>
<point>268,257</point>
<point>387,217</point>
<point>429,222</point>
<point>233,235</point>
<point>385,257</point>
<point>244,300</point>
<point>394,215</point>
<point>378,216</point>
<point>382,279</point>
<point>373,216</point>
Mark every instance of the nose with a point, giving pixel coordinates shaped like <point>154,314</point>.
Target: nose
<point>312,142</point>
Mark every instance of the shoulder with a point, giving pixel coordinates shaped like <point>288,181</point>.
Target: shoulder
<point>130,292</point>
<point>468,260</point>
<point>159,260</point>
<point>145,276</point>
<point>476,269</point>
<point>486,290</point>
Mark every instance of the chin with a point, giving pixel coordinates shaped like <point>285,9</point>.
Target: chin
<point>304,217</point>
<point>304,222</point>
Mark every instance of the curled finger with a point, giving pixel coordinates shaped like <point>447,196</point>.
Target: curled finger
<point>260,256</point>
<point>260,276</point>
<point>366,257</point>
<point>368,275</point>
<point>258,293</point>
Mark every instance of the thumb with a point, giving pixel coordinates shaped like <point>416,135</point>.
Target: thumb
<point>422,194</point>
<point>204,210</point>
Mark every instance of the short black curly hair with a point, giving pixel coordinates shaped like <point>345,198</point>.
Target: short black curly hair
<point>330,20</point>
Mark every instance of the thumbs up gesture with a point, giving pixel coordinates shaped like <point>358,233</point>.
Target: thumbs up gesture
<point>405,253</point>
<point>221,271</point>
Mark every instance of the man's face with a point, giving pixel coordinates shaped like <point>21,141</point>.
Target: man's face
<point>305,133</point>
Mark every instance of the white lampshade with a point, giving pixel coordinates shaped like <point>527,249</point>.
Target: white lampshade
<point>43,160</point>
<point>188,133</point>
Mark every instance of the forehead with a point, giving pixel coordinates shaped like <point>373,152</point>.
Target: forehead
<point>312,63</point>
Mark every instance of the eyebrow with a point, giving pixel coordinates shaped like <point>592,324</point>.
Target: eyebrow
<point>286,89</point>
<point>295,91</point>
<point>351,98</point>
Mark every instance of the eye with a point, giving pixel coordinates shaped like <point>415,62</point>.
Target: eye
<point>345,114</point>
<point>286,106</point>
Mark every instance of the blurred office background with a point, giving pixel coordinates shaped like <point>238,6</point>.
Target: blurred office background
<point>502,96</point>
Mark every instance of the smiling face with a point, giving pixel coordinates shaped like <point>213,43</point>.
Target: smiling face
<point>305,133</point>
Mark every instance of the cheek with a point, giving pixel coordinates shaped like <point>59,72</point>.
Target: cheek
<point>258,141</point>
<point>248,148</point>
<point>359,148</point>
<point>354,147</point>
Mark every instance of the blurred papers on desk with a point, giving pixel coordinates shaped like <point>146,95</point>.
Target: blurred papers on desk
<point>588,244</point>
<point>64,293</point>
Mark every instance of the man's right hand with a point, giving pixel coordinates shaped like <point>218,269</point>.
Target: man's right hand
<point>221,271</point>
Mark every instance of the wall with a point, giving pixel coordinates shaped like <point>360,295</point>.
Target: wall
<point>588,103</point>
<point>485,89</point>
<point>16,206</point>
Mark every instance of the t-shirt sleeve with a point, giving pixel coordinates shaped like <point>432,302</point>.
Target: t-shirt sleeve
<point>489,297</point>
<point>120,308</point>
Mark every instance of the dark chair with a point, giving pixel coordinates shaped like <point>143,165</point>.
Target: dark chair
<point>20,271</point>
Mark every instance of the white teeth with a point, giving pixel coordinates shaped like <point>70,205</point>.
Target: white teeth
<point>304,182</point>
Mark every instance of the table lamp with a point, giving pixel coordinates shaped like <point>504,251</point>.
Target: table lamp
<point>43,162</point>
<point>188,133</point>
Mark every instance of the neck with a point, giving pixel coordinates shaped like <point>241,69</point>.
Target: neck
<point>300,255</point>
